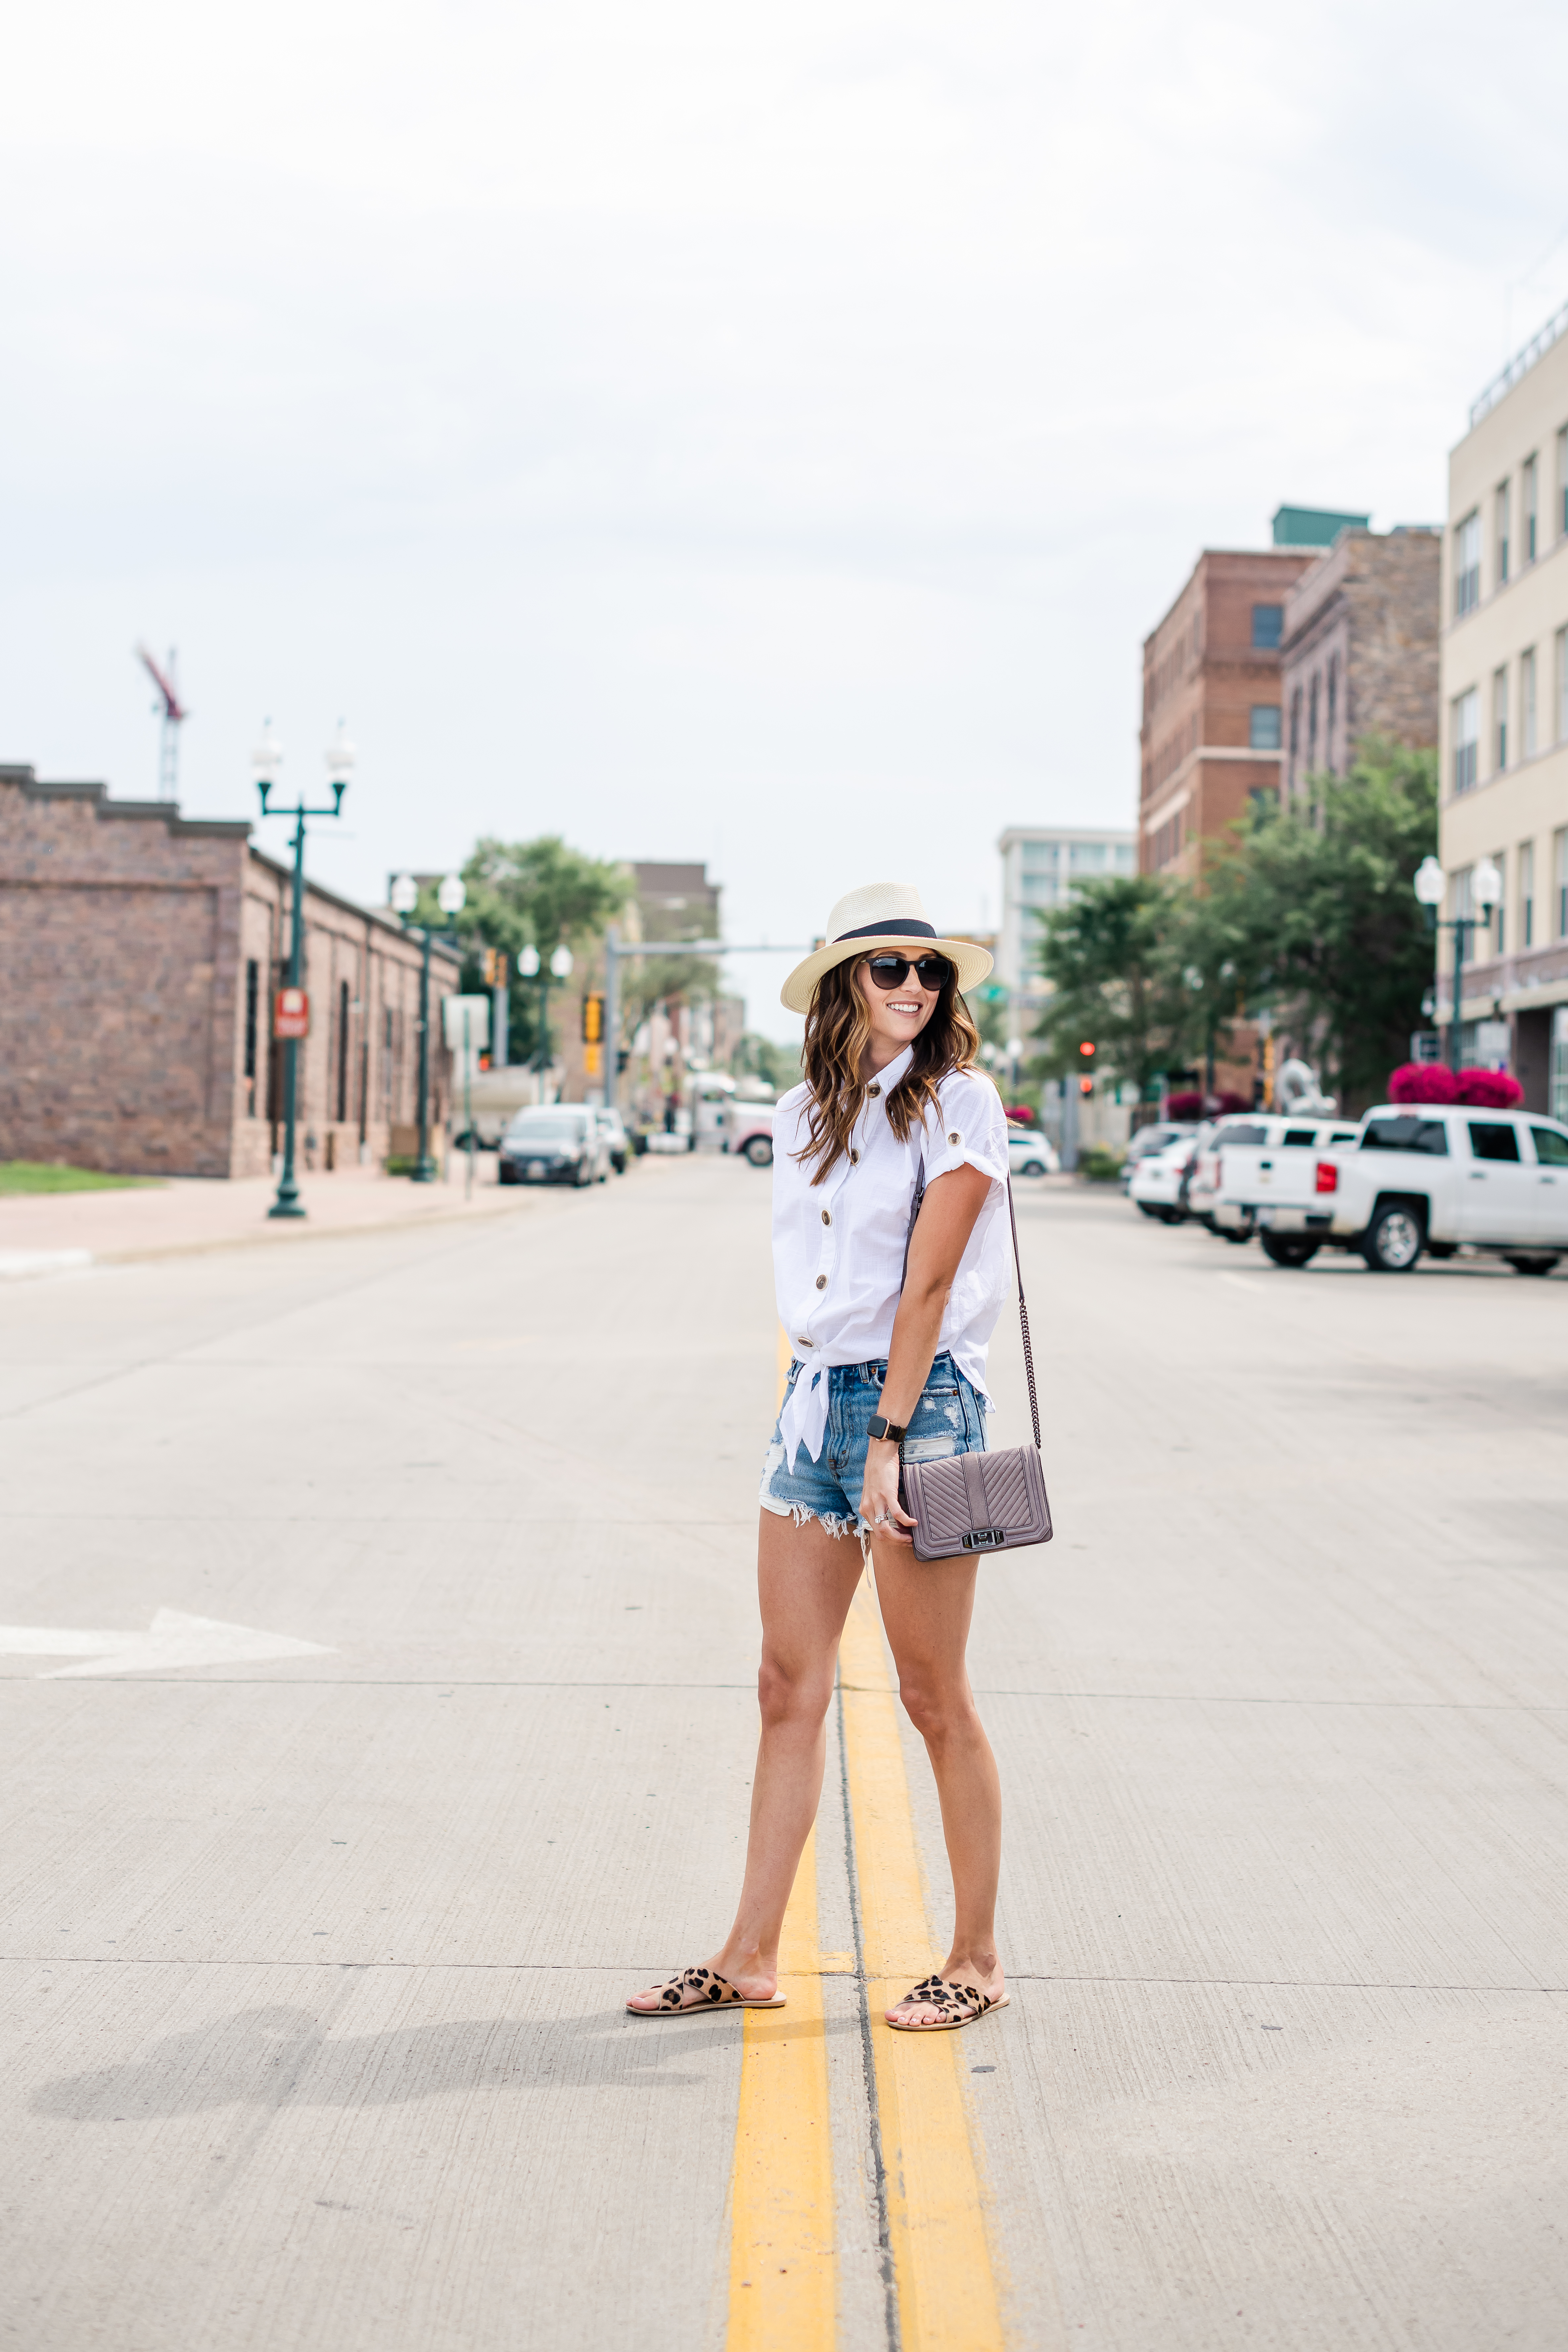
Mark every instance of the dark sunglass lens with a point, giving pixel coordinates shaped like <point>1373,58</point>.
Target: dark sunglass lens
<point>934,972</point>
<point>887,971</point>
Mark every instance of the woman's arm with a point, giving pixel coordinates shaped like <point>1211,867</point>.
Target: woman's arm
<point>947,1218</point>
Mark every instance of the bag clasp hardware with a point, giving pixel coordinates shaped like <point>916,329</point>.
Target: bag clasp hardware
<point>983,1538</point>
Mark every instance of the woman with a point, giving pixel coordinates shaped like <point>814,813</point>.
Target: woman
<point>884,1359</point>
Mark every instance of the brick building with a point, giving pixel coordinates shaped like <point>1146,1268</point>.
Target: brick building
<point>1359,654</point>
<point>139,954</point>
<point>1212,733</point>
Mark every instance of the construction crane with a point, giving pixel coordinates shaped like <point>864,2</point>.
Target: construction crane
<point>173,714</point>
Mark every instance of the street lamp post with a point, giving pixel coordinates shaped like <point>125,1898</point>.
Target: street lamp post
<point>450,897</point>
<point>531,967</point>
<point>265,761</point>
<point>1431,887</point>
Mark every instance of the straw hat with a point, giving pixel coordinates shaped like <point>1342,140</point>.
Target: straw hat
<point>883,915</point>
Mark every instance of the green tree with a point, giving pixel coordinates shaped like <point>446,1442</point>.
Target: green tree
<point>1112,955</point>
<point>538,894</point>
<point>1314,908</point>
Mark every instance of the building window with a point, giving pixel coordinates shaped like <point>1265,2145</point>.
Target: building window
<point>1328,722</point>
<point>1466,740</point>
<point>1499,720</point>
<point>1559,664</point>
<point>1263,730</point>
<point>1268,626</point>
<point>1560,878</point>
<point>1501,862</point>
<point>252,1031</point>
<point>1527,894</point>
<point>1467,566</point>
<point>1529,502</point>
<point>1500,528</point>
<point>1563,481</point>
<point>1313,721</point>
<point>342,1051</point>
<point>1527,744</point>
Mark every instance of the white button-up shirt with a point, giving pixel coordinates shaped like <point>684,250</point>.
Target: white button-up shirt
<point>839,1246</point>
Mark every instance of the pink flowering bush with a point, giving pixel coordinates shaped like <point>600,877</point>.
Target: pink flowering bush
<point>1434,1082</point>
<point>1185,1106</point>
<point>1423,1082</point>
<point>1489,1089</point>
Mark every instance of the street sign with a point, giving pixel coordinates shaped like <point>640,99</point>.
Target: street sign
<point>466,1021</point>
<point>291,1013</point>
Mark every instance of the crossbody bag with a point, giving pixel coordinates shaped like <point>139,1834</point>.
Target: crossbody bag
<point>978,1502</point>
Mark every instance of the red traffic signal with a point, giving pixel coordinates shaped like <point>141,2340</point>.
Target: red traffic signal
<point>1086,1049</point>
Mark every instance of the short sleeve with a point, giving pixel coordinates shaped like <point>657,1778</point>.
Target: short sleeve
<point>972,1131</point>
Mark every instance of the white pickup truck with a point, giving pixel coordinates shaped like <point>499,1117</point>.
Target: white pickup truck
<point>1252,1157</point>
<point>1430,1177</point>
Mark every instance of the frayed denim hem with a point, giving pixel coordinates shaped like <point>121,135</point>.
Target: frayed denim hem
<point>835,1523</point>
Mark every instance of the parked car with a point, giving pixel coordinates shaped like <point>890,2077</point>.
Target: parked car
<point>557,1143</point>
<point>1158,1135</point>
<point>1159,1180</point>
<point>617,1143</point>
<point>1030,1153</point>
<point>749,1130</point>
<point>1433,1178</point>
<point>1271,1160</point>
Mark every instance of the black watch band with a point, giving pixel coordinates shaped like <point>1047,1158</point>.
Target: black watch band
<point>891,1430</point>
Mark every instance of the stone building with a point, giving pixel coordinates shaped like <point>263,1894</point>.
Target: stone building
<point>1212,735</point>
<point>1359,652</point>
<point>1503,705</point>
<point>140,951</point>
<point>1043,865</point>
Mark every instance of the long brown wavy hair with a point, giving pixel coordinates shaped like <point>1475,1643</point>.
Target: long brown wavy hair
<point>837,1032</point>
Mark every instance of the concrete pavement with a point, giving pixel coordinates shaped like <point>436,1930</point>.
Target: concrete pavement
<point>312,1964</point>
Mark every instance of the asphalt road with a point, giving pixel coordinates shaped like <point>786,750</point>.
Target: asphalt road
<point>312,1957</point>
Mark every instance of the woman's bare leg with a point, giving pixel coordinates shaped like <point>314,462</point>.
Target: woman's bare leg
<point>926,1607</point>
<point>806,1582</point>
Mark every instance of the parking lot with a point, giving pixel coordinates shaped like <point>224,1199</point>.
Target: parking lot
<point>313,1956</point>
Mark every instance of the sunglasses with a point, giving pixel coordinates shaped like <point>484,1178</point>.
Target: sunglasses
<point>890,971</point>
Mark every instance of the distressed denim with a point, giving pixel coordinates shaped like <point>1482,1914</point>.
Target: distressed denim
<point>950,1418</point>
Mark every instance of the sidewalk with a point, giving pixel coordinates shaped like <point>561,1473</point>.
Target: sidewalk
<point>49,1232</point>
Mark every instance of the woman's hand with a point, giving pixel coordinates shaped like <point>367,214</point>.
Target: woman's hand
<point>879,1506</point>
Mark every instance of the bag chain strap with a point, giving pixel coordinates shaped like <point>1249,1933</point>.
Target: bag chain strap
<point>1018,1270</point>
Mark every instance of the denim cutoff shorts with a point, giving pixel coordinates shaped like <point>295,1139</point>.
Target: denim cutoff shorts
<point>950,1418</point>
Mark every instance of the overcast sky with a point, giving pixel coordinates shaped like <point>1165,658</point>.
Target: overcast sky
<point>710,433</point>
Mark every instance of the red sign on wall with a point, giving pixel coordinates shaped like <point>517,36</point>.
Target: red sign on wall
<point>291,1013</point>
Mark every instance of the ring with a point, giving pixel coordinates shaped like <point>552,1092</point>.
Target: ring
<point>883,1520</point>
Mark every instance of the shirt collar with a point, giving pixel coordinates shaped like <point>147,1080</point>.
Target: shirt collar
<point>889,1078</point>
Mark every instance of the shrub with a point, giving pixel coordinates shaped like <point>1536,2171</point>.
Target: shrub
<point>1423,1082</point>
<point>1099,1164</point>
<point>1489,1089</point>
<point>1185,1106</point>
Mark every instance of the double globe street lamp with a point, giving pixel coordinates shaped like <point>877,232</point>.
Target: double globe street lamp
<point>528,965</point>
<point>291,1014</point>
<point>450,897</point>
<point>1431,887</point>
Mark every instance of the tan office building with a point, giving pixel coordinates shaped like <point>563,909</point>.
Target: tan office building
<point>1504,780</point>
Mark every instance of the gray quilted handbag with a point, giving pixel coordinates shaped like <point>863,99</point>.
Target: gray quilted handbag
<point>979,1502</point>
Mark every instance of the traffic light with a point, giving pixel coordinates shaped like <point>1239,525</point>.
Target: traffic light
<point>1086,1050</point>
<point>495,968</point>
<point>1085,1086</point>
<point>593,1021</point>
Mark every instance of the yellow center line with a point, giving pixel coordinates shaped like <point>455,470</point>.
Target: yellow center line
<point>942,2261</point>
<point>783,2265</point>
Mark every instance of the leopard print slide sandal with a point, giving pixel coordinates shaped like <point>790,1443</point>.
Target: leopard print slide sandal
<point>960,2004</point>
<point>700,1989</point>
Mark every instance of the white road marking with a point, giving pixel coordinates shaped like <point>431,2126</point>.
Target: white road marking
<point>173,1639</point>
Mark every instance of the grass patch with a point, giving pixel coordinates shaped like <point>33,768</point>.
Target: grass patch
<point>51,1176</point>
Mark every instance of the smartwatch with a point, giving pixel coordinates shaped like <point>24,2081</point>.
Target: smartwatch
<point>893,1431</point>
